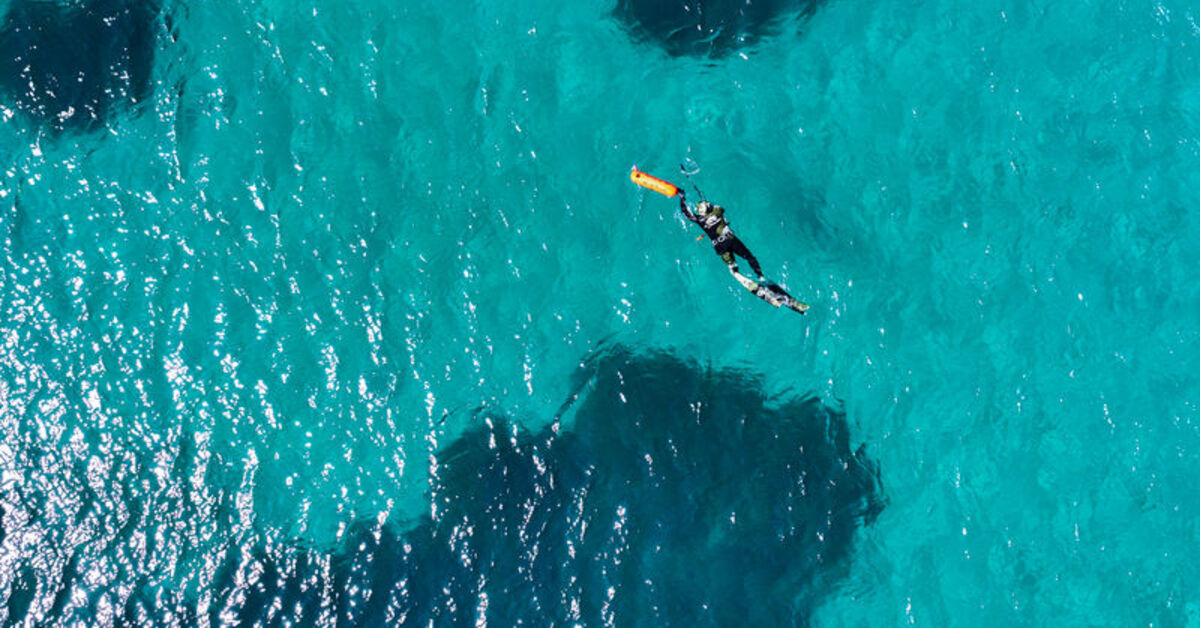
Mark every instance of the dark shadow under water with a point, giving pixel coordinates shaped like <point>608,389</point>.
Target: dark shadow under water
<point>73,65</point>
<point>712,28</point>
<point>676,495</point>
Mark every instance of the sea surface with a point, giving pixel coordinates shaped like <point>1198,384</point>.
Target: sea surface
<point>347,313</point>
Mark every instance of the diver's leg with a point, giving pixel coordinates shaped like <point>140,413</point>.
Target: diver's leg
<point>739,247</point>
<point>724,249</point>
<point>758,289</point>
<point>770,293</point>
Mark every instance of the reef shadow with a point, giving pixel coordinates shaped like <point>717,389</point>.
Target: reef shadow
<point>668,494</point>
<point>73,65</point>
<point>713,28</point>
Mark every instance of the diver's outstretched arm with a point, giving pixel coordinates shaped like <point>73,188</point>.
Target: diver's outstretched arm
<point>687,211</point>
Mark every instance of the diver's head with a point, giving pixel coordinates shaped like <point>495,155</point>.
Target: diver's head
<point>703,208</point>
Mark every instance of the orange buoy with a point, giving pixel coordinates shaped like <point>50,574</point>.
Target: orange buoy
<point>652,183</point>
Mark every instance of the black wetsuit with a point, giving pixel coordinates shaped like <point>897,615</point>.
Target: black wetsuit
<point>724,241</point>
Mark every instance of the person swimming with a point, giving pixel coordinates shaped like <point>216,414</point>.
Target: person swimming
<point>711,219</point>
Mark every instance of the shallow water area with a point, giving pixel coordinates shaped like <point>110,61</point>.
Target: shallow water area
<point>304,257</point>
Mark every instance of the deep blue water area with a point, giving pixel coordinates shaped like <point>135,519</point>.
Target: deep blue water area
<point>74,65</point>
<point>708,27</point>
<point>634,507</point>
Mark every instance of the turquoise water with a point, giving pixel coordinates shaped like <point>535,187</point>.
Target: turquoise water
<point>348,312</point>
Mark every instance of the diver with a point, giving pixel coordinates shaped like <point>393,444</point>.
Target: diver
<point>711,219</point>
